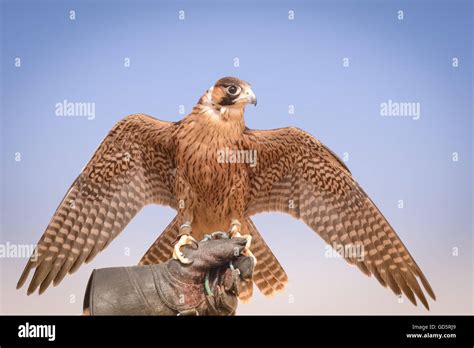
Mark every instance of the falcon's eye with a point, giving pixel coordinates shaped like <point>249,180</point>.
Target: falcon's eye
<point>233,90</point>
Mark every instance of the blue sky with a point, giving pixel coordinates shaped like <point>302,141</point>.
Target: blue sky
<point>288,62</point>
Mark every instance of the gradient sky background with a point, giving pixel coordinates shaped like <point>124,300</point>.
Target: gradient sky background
<point>296,63</point>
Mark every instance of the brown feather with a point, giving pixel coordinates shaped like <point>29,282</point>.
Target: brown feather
<point>294,166</point>
<point>123,175</point>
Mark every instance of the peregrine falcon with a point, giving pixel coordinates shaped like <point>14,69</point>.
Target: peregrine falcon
<point>216,173</point>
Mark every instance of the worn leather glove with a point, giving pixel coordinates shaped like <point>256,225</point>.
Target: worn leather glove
<point>210,285</point>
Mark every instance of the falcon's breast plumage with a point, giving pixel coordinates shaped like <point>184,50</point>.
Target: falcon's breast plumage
<point>179,164</point>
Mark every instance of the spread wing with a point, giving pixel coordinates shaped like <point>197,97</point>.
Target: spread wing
<point>298,175</point>
<point>132,167</point>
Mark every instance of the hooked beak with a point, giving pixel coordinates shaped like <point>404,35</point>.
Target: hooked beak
<point>251,97</point>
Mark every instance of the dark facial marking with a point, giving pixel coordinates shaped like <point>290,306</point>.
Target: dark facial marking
<point>225,83</point>
<point>228,99</point>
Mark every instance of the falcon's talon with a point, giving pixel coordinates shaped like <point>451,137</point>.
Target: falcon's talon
<point>247,252</point>
<point>248,237</point>
<point>235,229</point>
<point>177,254</point>
<point>235,233</point>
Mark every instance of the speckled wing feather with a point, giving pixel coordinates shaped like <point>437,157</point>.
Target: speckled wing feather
<point>268,275</point>
<point>298,175</point>
<point>132,167</point>
<point>162,249</point>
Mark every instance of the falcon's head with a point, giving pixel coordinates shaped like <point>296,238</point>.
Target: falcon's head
<point>231,92</point>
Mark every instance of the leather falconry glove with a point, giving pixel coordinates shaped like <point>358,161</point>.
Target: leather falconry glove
<point>209,285</point>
